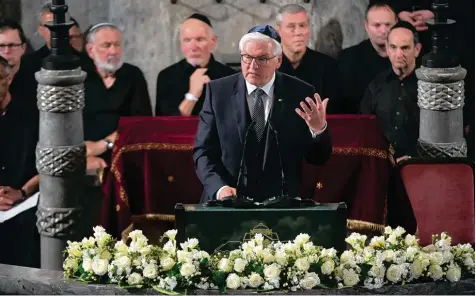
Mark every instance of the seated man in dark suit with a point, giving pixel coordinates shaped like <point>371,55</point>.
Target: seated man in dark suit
<point>261,107</point>
<point>180,86</point>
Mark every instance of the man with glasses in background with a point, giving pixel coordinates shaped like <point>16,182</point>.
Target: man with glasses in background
<point>262,108</point>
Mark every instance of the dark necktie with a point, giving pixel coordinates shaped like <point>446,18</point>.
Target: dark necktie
<point>258,113</point>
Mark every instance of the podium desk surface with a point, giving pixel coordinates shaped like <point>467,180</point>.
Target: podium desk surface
<point>320,207</point>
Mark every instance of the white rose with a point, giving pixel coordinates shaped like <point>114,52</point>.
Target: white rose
<point>169,247</point>
<point>99,266</point>
<point>329,253</point>
<point>184,256</point>
<point>192,243</point>
<point>71,264</point>
<point>468,262</point>
<point>436,272</point>
<point>272,271</point>
<point>267,256</point>
<point>123,262</point>
<point>436,258</point>
<point>106,255</point>
<point>98,230</point>
<point>388,230</point>
<point>447,256</point>
<point>136,234</point>
<point>327,267</point>
<point>416,269</point>
<point>74,251</point>
<point>378,271</point>
<point>145,251</point>
<point>255,280</point>
<point>308,246</point>
<point>281,258</point>
<point>309,281</point>
<point>171,283</point>
<point>134,279</point>
<point>411,252</point>
<point>453,274</point>
<point>394,273</point>
<point>410,240</point>
<point>87,265</point>
<point>225,265</point>
<point>258,250</point>
<point>350,277</point>
<point>187,269</point>
<point>167,263</point>
<point>171,234</point>
<point>233,281</point>
<point>377,242</point>
<point>301,239</point>
<point>239,265</point>
<point>120,247</point>
<point>392,238</point>
<point>347,256</point>
<point>302,264</point>
<point>248,247</point>
<point>399,231</point>
<point>150,271</point>
<point>388,255</point>
<point>259,238</point>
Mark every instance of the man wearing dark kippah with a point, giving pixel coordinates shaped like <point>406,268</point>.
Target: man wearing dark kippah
<point>180,87</point>
<point>392,94</point>
<point>257,126</point>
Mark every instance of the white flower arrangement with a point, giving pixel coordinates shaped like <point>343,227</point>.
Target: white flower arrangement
<point>262,265</point>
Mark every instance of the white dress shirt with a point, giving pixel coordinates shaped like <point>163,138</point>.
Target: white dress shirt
<point>268,100</point>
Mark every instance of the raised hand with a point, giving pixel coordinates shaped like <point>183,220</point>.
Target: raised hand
<point>314,112</point>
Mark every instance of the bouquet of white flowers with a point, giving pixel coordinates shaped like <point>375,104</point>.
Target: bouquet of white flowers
<point>265,265</point>
<point>88,260</point>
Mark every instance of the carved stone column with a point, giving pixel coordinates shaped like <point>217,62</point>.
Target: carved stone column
<point>60,153</point>
<point>441,93</point>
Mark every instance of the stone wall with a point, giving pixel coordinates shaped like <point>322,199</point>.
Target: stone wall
<point>151,27</point>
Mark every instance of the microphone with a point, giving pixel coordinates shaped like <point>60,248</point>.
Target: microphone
<point>284,189</point>
<point>242,160</point>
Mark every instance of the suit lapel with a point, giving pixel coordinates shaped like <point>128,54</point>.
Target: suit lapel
<point>240,106</point>
<point>280,94</point>
<point>275,115</point>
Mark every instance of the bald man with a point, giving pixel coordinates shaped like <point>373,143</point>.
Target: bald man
<point>180,87</point>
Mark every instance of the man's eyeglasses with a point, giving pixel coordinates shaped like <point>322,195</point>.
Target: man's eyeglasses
<point>261,61</point>
<point>3,47</point>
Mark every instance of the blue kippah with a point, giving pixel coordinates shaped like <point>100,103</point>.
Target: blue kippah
<point>266,30</point>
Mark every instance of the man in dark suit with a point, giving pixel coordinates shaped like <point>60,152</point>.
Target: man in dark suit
<point>261,108</point>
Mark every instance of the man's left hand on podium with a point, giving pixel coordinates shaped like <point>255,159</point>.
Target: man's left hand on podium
<point>314,113</point>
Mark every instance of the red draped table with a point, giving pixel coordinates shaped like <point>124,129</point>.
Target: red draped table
<point>152,169</point>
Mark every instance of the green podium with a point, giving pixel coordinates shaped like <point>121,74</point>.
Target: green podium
<point>222,228</point>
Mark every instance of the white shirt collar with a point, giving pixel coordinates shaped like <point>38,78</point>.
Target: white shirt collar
<point>266,88</point>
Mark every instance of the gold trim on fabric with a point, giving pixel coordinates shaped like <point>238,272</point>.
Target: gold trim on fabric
<point>359,225</point>
<point>379,153</point>
<point>153,217</point>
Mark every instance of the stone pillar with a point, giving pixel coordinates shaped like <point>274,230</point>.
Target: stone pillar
<point>441,93</point>
<point>60,153</point>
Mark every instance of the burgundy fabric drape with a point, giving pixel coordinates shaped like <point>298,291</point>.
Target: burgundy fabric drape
<point>152,169</point>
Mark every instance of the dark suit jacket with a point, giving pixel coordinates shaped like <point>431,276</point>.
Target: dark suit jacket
<point>223,123</point>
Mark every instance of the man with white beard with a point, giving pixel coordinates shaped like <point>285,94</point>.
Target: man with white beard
<point>112,89</point>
